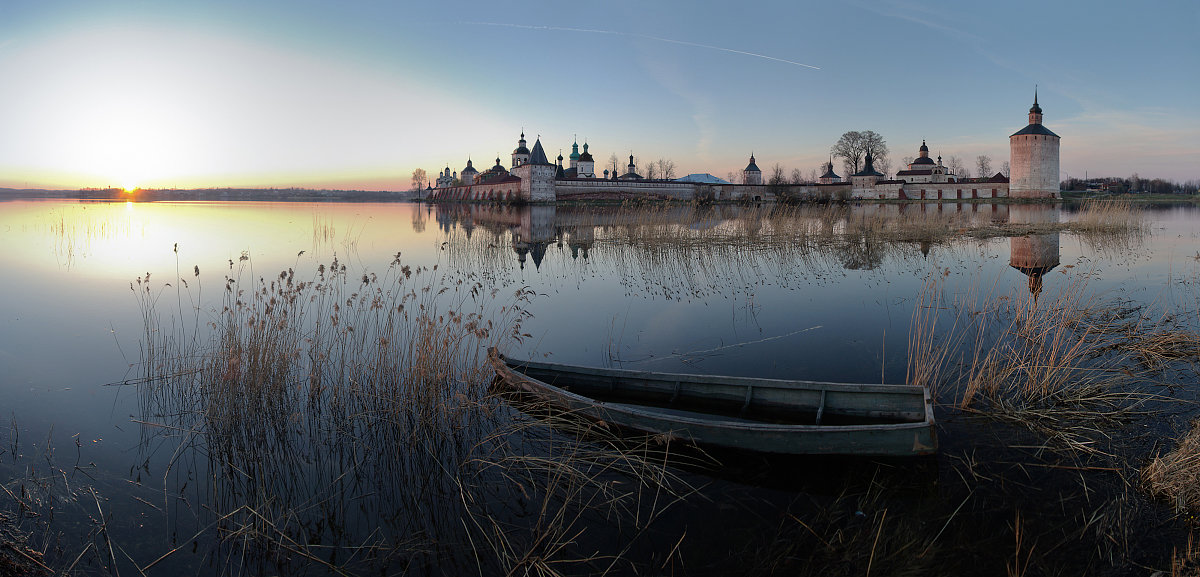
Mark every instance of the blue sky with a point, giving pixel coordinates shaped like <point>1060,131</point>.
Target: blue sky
<point>358,94</point>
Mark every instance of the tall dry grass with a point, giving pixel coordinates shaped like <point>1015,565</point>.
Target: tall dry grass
<point>1175,475</point>
<point>1110,226</point>
<point>1045,363</point>
<point>342,423</point>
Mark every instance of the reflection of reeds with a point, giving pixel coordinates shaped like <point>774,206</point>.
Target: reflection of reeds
<point>345,424</point>
<point>1043,363</point>
<point>693,252</point>
<point>78,227</point>
<point>863,532</point>
<point>1186,563</point>
<point>17,556</point>
<point>584,485</point>
<point>1110,226</point>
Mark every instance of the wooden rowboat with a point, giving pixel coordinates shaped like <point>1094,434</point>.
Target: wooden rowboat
<point>765,415</point>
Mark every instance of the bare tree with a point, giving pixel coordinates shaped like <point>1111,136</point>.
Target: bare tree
<point>651,169</point>
<point>852,147</point>
<point>814,176</point>
<point>1005,169</point>
<point>907,161</point>
<point>418,179</point>
<point>614,164</point>
<point>955,165</point>
<point>666,168</point>
<point>983,166</point>
<point>882,164</point>
<point>733,177</point>
<point>778,175</point>
<point>797,176</point>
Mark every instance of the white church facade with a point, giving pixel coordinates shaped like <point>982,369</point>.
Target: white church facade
<point>532,177</point>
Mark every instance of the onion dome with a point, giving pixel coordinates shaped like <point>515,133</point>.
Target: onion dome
<point>469,168</point>
<point>521,145</point>
<point>586,156</point>
<point>575,151</point>
<point>923,156</point>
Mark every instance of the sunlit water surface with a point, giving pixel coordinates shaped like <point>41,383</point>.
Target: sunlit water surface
<point>607,294</point>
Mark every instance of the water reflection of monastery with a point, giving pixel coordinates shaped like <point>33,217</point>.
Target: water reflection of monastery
<point>535,228</point>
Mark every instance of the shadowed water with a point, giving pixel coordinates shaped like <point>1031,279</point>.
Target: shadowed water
<point>820,293</point>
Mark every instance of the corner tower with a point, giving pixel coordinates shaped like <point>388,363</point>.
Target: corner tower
<point>1034,158</point>
<point>537,176</point>
<point>751,174</point>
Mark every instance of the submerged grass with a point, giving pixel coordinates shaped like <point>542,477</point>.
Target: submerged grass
<point>1175,475</point>
<point>343,424</point>
<point>1047,364</point>
<point>686,252</point>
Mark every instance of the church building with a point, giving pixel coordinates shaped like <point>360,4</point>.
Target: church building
<point>531,177</point>
<point>923,169</point>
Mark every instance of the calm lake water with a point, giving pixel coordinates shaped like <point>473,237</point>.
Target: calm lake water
<point>719,290</point>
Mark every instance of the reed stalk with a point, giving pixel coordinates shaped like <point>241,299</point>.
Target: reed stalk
<point>343,422</point>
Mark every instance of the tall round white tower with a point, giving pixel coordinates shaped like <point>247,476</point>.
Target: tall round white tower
<point>1033,165</point>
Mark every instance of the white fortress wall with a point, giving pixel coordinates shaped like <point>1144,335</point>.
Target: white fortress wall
<point>566,189</point>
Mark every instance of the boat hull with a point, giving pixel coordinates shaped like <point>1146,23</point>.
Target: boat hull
<point>873,420</point>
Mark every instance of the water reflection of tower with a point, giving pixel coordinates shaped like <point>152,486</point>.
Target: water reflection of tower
<point>534,233</point>
<point>582,239</point>
<point>1034,254</point>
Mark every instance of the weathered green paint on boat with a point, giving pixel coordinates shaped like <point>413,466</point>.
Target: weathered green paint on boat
<point>767,415</point>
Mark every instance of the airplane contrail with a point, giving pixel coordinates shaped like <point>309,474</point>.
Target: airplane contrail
<point>647,37</point>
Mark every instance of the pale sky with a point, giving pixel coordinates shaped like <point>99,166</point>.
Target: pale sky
<point>358,94</point>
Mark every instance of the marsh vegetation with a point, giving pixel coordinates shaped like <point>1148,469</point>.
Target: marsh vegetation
<point>332,414</point>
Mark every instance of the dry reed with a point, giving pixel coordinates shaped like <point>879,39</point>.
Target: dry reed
<point>1175,475</point>
<point>1047,364</point>
<point>343,423</point>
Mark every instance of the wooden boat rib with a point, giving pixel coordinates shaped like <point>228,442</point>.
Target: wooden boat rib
<point>765,415</point>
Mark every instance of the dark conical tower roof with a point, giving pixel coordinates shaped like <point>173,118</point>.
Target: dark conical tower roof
<point>538,155</point>
<point>868,166</point>
<point>829,173</point>
<point>1035,121</point>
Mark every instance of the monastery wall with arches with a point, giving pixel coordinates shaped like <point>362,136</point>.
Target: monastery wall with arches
<point>532,178</point>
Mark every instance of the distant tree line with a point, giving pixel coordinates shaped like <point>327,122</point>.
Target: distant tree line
<point>1133,184</point>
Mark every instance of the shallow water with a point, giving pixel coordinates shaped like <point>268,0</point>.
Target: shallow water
<point>719,290</point>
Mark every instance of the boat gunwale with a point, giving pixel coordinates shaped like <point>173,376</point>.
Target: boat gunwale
<point>718,379</point>
<point>716,421</point>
